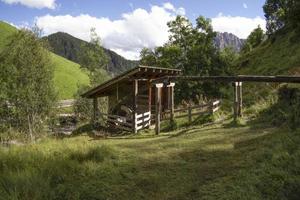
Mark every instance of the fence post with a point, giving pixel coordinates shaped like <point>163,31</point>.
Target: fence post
<point>235,101</point>
<point>211,109</point>
<point>95,110</point>
<point>157,107</point>
<point>134,113</point>
<point>190,113</point>
<point>240,99</point>
<point>172,101</point>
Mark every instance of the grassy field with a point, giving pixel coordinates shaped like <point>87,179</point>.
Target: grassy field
<point>213,162</point>
<point>67,75</point>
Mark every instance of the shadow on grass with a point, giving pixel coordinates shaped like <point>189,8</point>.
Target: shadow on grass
<point>235,123</point>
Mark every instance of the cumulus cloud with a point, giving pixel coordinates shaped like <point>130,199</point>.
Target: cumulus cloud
<point>33,3</point>
<point>240,26</point>
<point>127,36</point>
<point>139,28</point>
<point>170,7</point>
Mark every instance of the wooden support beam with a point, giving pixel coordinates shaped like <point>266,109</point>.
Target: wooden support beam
<point>157,107</point>
<point>240,99</point>
<point>149,99</point>
<point>134,106</point>
<point>172,103</point>
<point>95,110</point>
<point>235,101</point>
<point>117,92</point>
<point>229,79</point>
<point>190,113</point>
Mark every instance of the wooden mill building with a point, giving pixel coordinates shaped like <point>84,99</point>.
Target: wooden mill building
<point>133,100</point>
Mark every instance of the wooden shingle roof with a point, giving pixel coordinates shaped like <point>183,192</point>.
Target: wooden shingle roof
<point>139,72</point>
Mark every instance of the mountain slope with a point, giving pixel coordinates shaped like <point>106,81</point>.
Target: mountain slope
<point>223,40</point>
<point>69,47</point>
<point>279,55</point>
<point>67,74</point>
<point>5,31</point>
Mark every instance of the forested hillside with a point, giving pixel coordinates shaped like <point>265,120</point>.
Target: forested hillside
<point>67,74</point>
<point>70,47</point>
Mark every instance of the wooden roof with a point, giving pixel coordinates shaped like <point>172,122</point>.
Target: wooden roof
<point>139,72</point>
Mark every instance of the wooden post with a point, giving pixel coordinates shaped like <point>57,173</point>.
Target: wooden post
<point>95,110</point>
<point>117,92</point>
<point>240,99</point>
<point>235,103</point>
<point>134,106</point>
<point>190,113</point>
<point>171,100</point>
<point>157,107</point>
<point>149,100</point>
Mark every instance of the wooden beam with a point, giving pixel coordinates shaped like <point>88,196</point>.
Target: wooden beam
<point>190,114</point>
<point>240,78</point>
<point>240,99</point>
<point>157,107</point>
<point>118,92</point>
<point>149,99</point>
<point>235,100</point>
<point>95,110</point>
<point>134,106</point>
<point>172,102</point>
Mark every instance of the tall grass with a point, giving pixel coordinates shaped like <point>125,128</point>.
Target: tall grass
<point>190,163</point>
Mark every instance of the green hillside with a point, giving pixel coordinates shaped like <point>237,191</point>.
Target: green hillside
<point>67,76</point>
<point>69,47</point>
<point>279,55</point>
<point>5,31</point>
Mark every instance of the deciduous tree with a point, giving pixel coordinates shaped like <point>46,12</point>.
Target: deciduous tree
<point>26,81</point>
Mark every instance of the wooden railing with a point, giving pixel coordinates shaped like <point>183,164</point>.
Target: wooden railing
<point>191,111</point>
<point>120,122</point>
<point>125,123</point>
<point>142,120</point>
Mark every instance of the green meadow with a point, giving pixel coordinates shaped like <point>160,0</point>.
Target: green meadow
<point>197,162</point>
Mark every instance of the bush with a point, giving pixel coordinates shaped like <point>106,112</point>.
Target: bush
<point>286,111</point>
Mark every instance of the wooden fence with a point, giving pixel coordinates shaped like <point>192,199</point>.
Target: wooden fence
<point>126,123</point>
<point>191,111</point>
<point>143,120</point>
<point>120,122</point>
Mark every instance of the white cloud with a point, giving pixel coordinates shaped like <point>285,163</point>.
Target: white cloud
<point>245,5</point>
<point>33,3</point>
<point>240,26</point>
<point>170,7</point>
<point>127,36</point>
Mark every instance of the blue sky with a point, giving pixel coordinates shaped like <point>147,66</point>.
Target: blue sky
<point>128,26</point>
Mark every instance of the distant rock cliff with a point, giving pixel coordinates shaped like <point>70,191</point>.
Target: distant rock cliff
<point>224,40</point>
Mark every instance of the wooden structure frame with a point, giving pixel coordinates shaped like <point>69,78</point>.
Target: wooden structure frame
<point>236,83</point>
<point>132,97</point>
<point>144,88</point>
